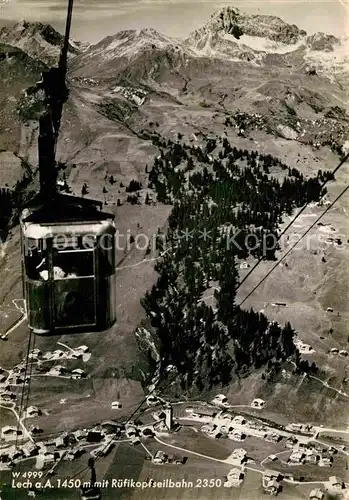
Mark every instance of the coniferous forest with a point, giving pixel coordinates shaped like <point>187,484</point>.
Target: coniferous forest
<point>227,203</point>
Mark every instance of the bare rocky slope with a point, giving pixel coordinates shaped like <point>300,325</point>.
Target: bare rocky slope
<point>263,84</point>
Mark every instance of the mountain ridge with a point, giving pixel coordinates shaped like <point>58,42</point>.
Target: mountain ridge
<point>39,40</point>
<point>228,34</point>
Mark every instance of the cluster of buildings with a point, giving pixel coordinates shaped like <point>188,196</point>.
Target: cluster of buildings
<point>162,422</point>
<point>237,428</point>
<point>222,401</point>
<point>226,428</point>
<point>301,428</point>
<point>160,458</point>
<point>341,352</point>
<point>11,454</point>
<point>61,371</point>
<point>18,376</point>
<point>334,485</point>
<point>313,454</point>
<point>73,353</point>
<point>70,446</point>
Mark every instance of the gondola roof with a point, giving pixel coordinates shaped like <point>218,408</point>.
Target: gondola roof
<point>63,209</point>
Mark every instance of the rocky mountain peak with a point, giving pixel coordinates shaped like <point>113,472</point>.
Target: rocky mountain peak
<point>38,40</point>
<point>231,21</point>
<point>322,42</point>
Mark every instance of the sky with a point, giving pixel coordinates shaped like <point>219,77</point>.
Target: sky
<point>95,19</point>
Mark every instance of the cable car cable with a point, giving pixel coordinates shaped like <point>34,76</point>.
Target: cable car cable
<point>292,222</point>
<point>22,395</point>
<point>29,378</point>
<point>293,246</point>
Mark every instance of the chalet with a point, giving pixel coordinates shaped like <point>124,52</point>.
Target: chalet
<point>49,457</point>
<point>9,433</point>
<point>325,462</point>
<point>238,456</point>
<point>258,403</point>
<point>244,265</point>
<point>152,400</point>
<point>272,437</point>
<point>58,354</point>
<point>209,428</point>
<point>335,483</point>
<point>237,436</point>
<point>311,458</point>
<point>77,373</point>
<point>212,430</point>
<point>291,442</point>
<point>34,429</point>
<point>35,353</point>
<point>57,370</point>
<point>297,457</point>
<point>116,405</point>
<point>235,478</point>
<point>130,431</point>
<point>110,427</point>
<point>135,440</point>
<point>73,454</point>
<point>62,441</point>
<point>205,415</point>
<point>294,427</point>
<point>239,420</point>
<point>30,449</point>
<point>15,454</point>
<point>270,475</point>
<point>220,399</point>
<point>77,355</point>
<point>8,396</point>
<point>159,415</point>
<point>316,494</point>
<point>83,348</point>
<point>272,487</point>
<point>160,457</point>
<point>33,411</point>
<point>80,434</point>
<point>19,369</point>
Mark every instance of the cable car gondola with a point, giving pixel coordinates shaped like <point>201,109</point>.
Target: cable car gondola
<point>68,243</point>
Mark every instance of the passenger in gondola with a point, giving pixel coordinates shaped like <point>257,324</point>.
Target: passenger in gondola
<point>58,272</point>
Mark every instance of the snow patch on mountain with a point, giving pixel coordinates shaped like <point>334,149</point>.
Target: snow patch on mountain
<point>264,44</point>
